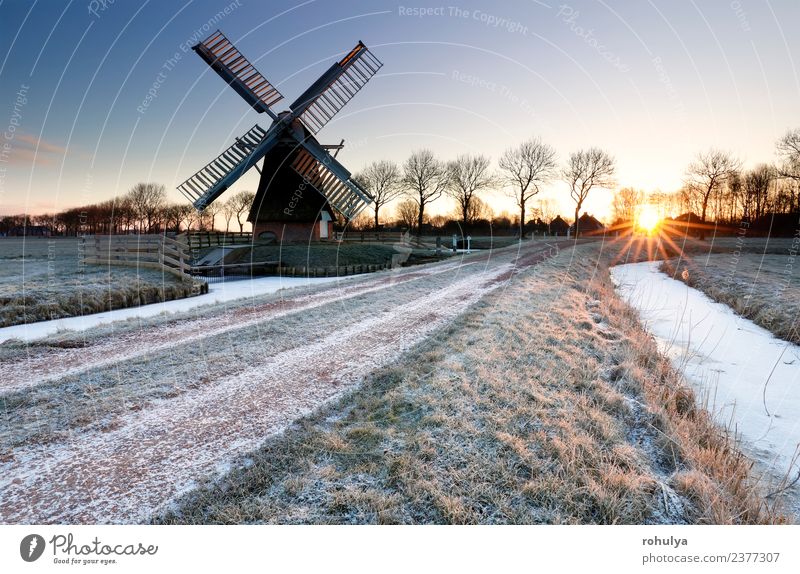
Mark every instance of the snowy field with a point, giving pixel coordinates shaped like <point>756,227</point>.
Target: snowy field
<point>44,278</point>
<point>748,378</point>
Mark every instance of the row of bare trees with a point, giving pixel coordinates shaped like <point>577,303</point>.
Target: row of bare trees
<point>143,209</point>
<point>523,170</point>
<point>717,190</point>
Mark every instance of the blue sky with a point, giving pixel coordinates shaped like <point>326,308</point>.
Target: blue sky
<point>653,82</point>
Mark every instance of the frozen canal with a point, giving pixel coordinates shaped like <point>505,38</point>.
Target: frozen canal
<point>222,292</point>
<point>749,378</point>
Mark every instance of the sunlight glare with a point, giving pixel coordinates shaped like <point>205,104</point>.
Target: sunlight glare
<point>648,219</point>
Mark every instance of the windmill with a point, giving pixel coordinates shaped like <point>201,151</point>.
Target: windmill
<point>300,180</point>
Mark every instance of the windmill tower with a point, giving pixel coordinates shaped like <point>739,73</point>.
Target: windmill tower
<point>301,182</point>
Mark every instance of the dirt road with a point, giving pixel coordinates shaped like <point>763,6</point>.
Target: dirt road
<point>254,384</point>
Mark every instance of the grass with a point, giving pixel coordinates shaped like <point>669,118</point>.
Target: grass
<point>93,399</point>
<point>549,404</point>
<point>764,288</point>
<point>42,279</point>
<point>316,254</point>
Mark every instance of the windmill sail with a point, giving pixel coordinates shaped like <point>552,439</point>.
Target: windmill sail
<point>213,179</point>
<point>335,88</point>
<point>225,59</point>
<point>318,167</point>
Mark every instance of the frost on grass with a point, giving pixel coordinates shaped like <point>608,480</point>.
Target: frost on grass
<point>546,403</point>
<point>117,438</point>
<point>43,279</point>
<point>765,288</point>
<point>500,389</point>
<point>746,377</point>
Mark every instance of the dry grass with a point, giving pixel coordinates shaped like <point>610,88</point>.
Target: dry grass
<point>547,405</point>
<point>763,288</point>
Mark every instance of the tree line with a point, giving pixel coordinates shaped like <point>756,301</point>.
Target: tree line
<point>143,209</point>
<point>523,171</point>
<point>715,190</point>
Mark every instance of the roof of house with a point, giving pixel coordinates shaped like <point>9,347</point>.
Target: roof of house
<point>588,222</point>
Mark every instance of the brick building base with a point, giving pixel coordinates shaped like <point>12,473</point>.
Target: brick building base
<point>291,232</point>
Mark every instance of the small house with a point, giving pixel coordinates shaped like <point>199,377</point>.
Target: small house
<point>558,226</point>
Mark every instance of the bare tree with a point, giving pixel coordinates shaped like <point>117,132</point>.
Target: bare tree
<point>408,213</point>
<point>625,203</point>
<point>228,211</point>
<point>789,151</point>
<point>361,222</point>
<point>146,200</point>
<point>468,175</point>
<point>757,183</point>
<point>526,168</point>
<point>240,204</point>
<point>544,209</point>
<point>424,181</point>
<point>585,170</point>
<point>124,213</point>
<point>706,175</point>
<point>209,215</point>
<point>789,146</point>
<point>479,209</point>
<point>174,215</point>
<point>735,196</point>
<point>190,217</point>
<point>382,180</point>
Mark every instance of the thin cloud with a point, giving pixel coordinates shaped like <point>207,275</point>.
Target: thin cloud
<point>30,142</point>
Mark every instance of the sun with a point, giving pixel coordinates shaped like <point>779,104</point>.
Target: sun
<point>647,219</point>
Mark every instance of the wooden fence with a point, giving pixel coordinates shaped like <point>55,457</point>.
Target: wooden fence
<point>149,251</point>
<point>373,236</point>
<point>199,239</point>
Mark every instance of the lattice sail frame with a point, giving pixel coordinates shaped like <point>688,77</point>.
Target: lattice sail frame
<point>314,108</point>
<point>237,71</point>
<point>328,95</point>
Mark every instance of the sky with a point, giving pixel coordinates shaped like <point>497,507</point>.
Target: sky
<point>99,95</point>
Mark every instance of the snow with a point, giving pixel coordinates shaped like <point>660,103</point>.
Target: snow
<point>217,293</point>
<point>749,377</point>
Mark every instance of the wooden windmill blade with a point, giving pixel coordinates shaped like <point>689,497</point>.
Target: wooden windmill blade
<point>226,60</point>
<point>331,92</point>
<point>212,180</point>
<point>331,179</point>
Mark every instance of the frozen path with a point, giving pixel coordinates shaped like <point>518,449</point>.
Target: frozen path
<point>145,457</point>
<point>751,378</point>
<point>217,293</point>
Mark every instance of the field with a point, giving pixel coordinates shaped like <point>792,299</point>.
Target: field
<point>315,254</point>
<point>762,287</point>
<point>42,279</point>
<point>510,386</point>
<point>549,405</point>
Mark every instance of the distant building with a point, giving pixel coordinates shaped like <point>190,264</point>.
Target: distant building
<point>688,217</point>
<point>558,226</point>
<point>535,226</point>
<point>29,231</point>
<point>588,224</point>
